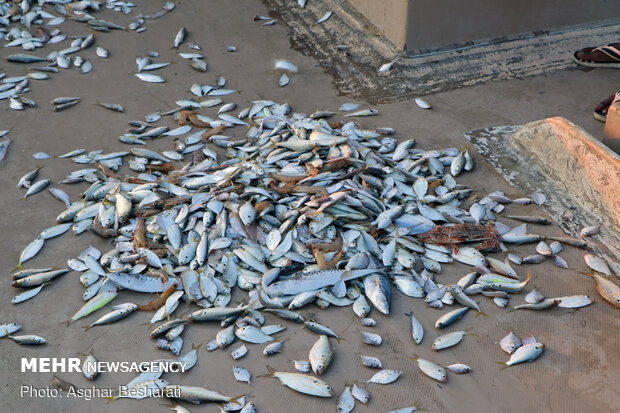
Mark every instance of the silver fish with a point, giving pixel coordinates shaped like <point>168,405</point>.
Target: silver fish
<point>525,353</point>
<point>180,37</point>
<point>385,377</point>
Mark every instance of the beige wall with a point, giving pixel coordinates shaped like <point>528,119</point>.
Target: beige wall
<point>389,16</point>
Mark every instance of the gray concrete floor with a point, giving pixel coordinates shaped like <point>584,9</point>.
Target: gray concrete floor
<point>578,371</point>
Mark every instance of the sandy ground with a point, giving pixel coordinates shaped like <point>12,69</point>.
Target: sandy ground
<point>578,371</point>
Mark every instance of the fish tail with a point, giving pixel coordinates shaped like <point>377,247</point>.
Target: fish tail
<point>469,333</point>
<point>504,365</point>
<point>414,357</point>
<point>196,347</point>
<point>270,374</point>
<point>236,398</point>
<point>511,309</point>
<point>18,267</point>
<point>86,328</point>
<point>111,399</point>
<point>481,313</point>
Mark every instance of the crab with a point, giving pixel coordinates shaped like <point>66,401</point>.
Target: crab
<point>487,237</point>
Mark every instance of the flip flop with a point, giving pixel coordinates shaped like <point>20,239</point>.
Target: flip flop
<point>600,110</point>
<point>609,50</point>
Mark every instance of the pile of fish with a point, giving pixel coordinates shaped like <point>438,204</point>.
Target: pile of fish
<point>520,350</point>
<point>32,25</point>
<point>298,210</point>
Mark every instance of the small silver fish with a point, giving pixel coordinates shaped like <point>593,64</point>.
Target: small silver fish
<point>525,353</point>
<point>241,374</point>
<point>60,195</point>
<point>597,264</point>
<point>422,103</point>
<point>371,338</point>
<point>4,147</point>
<point>360,394</point>
<point>459,368</point>
<point>325,17</point>
<point>371,362</point>
<point>29,339</point>
<point>284,80</point>
<point>180,37</point>
<point>534,297</point>
<point>539,197</point>
<point>510,343</point>
<point>302,365</point>
<point>147,77</point>
<point>37,187</point>
<point>385,377</point>
<point>365,112</point>
<point>589,231</point>
<point>112,106</point>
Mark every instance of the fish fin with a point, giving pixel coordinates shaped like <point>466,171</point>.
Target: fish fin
<point>345,274</point>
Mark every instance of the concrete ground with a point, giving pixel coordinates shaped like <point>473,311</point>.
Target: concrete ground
<point>578,371</point>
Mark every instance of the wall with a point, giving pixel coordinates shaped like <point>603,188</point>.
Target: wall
<point>389,16</point>
<point>420,26</point>
<point>434,24</point>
